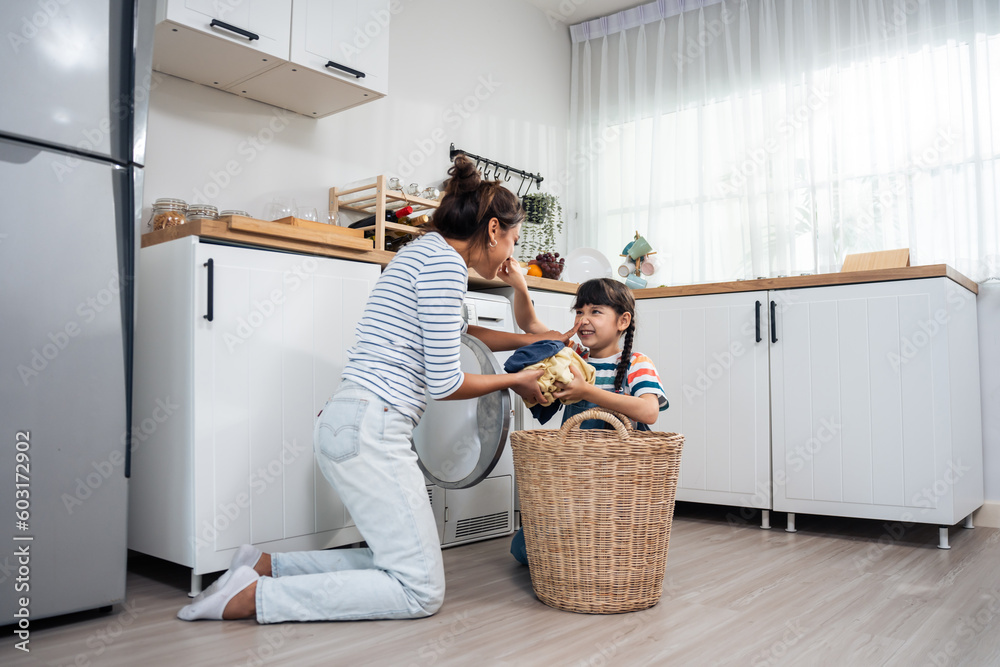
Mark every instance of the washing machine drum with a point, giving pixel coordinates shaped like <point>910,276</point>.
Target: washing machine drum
<point>458,443</point>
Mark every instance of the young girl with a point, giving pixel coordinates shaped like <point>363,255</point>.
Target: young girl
<point>626,381</point>
<point>408,342</point>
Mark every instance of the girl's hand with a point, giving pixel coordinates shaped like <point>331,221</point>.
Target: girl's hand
<point>510,273</point>
<point>575,390</point>
<point>526,385</point>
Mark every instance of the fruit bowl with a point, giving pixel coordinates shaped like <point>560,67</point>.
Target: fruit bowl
<point>550,265</point>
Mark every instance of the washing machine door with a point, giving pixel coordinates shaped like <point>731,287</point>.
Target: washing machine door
<point>458,443</point>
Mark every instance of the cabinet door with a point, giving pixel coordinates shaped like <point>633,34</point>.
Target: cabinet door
<point>715,375</point>
<point>269,20</point>
<point>351,33</point>
<point>186,44</point>
<point>861,400</point>
<point>264,366</point>
<point>554,309</point>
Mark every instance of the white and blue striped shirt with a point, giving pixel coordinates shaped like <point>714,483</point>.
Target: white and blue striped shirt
<point>408,339</point>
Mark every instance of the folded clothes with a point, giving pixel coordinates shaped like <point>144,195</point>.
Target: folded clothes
<point>556,360</point>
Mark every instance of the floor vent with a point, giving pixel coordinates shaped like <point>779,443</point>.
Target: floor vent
<point>489,523</point>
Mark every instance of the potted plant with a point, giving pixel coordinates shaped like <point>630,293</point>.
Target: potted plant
<point>542,223</point>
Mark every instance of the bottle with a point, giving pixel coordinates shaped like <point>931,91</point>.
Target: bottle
<point>390,216</point>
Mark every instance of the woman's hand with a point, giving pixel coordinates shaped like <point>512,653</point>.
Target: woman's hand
<point>510,273</point>
<point>526,385</point>
<point>575,390</point>
<point>565,338</point>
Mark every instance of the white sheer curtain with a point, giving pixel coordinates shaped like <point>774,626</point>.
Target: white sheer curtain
<point>751,138</point>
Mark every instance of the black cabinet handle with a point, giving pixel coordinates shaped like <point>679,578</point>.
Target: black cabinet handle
<point>347,69</point>
<point>758,321</point>
<point>211,290</point>
<point>774,330</point>
<point>216,23</point>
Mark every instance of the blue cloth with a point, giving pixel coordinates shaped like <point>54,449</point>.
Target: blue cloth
<point>532,354</point>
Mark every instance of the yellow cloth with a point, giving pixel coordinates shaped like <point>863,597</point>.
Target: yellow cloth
<point>557,369</point>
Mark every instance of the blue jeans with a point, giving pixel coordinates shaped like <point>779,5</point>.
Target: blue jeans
<point>363,448</point>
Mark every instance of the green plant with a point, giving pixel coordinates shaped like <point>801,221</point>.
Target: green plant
<point>542,223</point>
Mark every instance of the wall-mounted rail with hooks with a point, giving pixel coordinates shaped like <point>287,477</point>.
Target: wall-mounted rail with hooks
<point>500,171</point>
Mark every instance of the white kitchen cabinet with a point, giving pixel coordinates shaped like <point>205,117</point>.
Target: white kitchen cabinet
<point>221,43</point>
<point>711,353</point>
<point>875,405</point>
<point>237,350</point>
<point>346,33</point>
<point>314,57</point>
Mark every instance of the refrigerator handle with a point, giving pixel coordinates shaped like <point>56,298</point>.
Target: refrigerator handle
<point>211,290</point>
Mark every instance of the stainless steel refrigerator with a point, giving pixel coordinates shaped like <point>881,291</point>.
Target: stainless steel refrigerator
<point>74,83</point>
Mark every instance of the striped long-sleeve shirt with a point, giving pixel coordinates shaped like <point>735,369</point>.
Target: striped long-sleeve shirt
<point>408,338</point>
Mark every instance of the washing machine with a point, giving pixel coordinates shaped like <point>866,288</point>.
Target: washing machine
<point>463,447</point>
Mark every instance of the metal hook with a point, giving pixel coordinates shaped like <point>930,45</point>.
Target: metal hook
<point>523,179</point>
<point>506,176</point>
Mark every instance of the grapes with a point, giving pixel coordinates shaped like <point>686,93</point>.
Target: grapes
<point>551,264</point>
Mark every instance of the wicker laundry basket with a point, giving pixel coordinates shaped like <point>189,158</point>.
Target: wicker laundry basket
<point>597,507</point>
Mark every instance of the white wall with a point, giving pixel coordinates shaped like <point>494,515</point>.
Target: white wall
<point>491,77</point>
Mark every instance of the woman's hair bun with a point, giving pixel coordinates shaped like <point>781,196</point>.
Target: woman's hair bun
<point>464,176</point>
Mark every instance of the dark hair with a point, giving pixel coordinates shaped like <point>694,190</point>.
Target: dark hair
<point>469,203</point>
<point>611,293</point>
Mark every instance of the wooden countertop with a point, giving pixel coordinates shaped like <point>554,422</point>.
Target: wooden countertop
<point>219,230</point>
<point>819,280</point>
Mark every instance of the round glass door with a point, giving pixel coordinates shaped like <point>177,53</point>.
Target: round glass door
<point>458,443</point>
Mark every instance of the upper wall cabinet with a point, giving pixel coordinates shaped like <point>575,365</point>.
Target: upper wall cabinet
<point>221,43</point>
<point>314,57</point>
<point>348,39</point>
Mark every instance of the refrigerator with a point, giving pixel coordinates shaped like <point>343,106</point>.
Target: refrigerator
<point>75,79</point>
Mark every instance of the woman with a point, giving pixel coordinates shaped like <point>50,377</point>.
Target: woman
<point>408,342</point>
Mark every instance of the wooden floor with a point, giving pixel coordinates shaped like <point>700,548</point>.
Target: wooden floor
<point>838,592</point>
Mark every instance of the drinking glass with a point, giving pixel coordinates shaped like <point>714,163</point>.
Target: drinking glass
<point>307,213</point>
<point>280,207</point>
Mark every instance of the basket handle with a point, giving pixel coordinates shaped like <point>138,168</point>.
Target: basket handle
<point>617,421</point>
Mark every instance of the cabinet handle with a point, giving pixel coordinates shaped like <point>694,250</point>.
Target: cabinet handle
<point>211,290</point>
<point>216,23</point>
<point>758,321</point>
<point>345,68</point>
<point>774,330</point>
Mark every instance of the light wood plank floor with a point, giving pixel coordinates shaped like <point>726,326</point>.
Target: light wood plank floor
<point>838,592</point>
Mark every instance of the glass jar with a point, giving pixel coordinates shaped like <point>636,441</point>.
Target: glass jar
<point>202,212</point>
<point>232,212</point>
<point>167,213</point>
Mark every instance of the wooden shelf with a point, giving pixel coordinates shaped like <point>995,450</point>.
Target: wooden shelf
<point>372,199</point>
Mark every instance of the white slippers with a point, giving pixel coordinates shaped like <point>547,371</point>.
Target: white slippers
<point>212,605</point>
<point>245,555</point>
